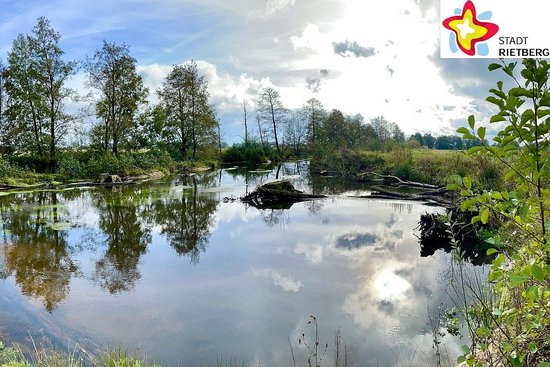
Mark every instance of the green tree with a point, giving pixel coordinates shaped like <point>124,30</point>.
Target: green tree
<point>25,108</point>
<point>315,113</point>
<point>52,74</point>
<point>429,140</point>
<point>515,326</point>
<point>4,126</point>
<point>272,112</point>
<point>112,72</point>
<point>190,119</point>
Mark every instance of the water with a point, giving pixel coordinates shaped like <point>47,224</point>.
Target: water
<point>172,271</point>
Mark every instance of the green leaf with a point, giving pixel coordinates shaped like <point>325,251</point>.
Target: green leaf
<point>471,121</point>
<point>527,115</point>
<point>494,66</point>
<point>465,349</point>
<point>496,195</point>
<point>481,132</point>
<point>473,150</point>
<point>545,100</point>
<point>516,280</point>
<point>544,364</point>
<point>461,359</point>
<point>491,251</point>
<point>521,92</point>
<point>462,130</point>
<point>495,275</point>
<point>467,182</point>
<point>495,101</point>
<point>538,273</point>
<point>497,118</point>
<point>484,215</point>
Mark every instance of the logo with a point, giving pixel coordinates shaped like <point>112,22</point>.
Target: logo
<point>470,30</point>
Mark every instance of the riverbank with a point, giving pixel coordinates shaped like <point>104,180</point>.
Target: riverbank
<point>429,166</point>
<point>84,167</point>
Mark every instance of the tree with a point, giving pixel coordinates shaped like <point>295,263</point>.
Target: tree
<point>184,97</point>
<point>443,142</point>
<point>418,137</point>
<point>112,72</point>
<point>52,73</point>
<point>295,131</point>
<point>334,130</point>
<point>396,133</point>
<point>245,117</point>
<point>315,113</point>
<point>25,108</point>
<point>382,128</point>
<point>429,140</point>
<point>4,127</point>
<point>271,110</point>
<point>36,86</point>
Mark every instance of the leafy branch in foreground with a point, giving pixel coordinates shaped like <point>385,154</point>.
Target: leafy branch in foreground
<point>515,329</point>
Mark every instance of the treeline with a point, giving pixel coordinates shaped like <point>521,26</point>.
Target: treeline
<point>278,131</point>
<point>36,121</point>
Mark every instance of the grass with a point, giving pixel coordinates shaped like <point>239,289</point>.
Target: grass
<point>38,357</point>
<point>422,165</point>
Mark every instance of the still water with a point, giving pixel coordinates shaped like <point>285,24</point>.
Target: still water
<point>174,272</point>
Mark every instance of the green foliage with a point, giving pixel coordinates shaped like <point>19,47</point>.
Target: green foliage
<point>8,170</point>
<point>249,151</point>
<point>516,326</point>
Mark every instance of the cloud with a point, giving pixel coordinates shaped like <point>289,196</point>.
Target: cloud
<point>313,252</point>
<point>352,49</point>
<point>273,6</point>
<point>315,81</point>
<point>227,92</point>
<point>285,283</point>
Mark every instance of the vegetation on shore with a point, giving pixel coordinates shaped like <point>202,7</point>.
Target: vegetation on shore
<point>508,316</point>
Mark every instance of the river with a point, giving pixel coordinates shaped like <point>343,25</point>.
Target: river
<point>175,273</point>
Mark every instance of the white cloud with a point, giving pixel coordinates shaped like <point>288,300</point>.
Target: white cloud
<point>226,91</point>
<point>274,6</point>
<point>312,252</point>
<point>285,283</point>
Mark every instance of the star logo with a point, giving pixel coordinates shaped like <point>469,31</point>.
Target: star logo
<point>468,29</point>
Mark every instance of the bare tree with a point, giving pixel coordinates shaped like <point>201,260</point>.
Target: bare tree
<point>245,116</point>
<point>271,109</point>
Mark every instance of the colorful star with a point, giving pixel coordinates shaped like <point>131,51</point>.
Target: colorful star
<point>469,30</point>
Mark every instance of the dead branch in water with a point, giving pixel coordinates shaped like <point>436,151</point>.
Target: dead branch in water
<point>402,182</point>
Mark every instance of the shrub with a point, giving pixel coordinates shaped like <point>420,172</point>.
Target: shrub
<point>250,151</point>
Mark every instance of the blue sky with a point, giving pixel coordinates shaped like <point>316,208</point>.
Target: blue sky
<point>360,56</point>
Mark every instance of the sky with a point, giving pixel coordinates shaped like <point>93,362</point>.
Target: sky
<point>358,56</point>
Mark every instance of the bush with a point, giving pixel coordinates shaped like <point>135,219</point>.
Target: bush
<point>7,170</point>
<point>251,152</point>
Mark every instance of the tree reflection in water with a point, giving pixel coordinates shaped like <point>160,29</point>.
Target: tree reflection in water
<point>186,220</point>
<point>126,234</point>
<point>37,255</point>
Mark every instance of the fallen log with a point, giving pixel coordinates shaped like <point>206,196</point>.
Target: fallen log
<point>400,181</point>
<point>276,194</point>
<point>439,196</point>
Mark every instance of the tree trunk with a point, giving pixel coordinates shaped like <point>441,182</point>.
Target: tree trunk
<point>275,128</point>
<point>52,142</point>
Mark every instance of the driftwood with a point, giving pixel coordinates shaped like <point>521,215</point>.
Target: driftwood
<point>400,181</point>
<point>439,196</point>
<point>278,194</point>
